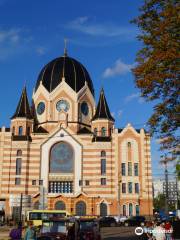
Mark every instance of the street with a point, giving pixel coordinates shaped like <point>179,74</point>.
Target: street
<point>108,233</point>
<point>118,233</point>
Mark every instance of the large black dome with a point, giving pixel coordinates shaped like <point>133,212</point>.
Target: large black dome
<point>74,72</point>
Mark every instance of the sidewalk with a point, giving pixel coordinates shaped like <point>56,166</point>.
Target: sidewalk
<point>4,232</point>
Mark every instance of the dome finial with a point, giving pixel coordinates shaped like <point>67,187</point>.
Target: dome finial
<point>65,47</point>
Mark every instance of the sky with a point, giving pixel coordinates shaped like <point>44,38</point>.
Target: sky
<point>99,35</point>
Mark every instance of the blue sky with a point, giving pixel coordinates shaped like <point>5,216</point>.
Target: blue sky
<point>99,36</point>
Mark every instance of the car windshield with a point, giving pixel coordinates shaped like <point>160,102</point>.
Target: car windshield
<point>54,227</point>
<point>86,225</point>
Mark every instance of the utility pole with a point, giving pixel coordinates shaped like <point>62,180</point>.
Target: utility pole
<point>165,161</point>
<point>20,209</point>
<point>177,194</point>
<point>166,186</point>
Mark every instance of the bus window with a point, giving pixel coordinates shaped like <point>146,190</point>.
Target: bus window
<point>35,216</point>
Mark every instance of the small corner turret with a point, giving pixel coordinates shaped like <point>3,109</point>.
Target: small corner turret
<point>22,120</point>
<point>102,121</point>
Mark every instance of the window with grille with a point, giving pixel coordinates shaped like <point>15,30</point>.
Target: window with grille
<point>129,169</point>
<point>20,131</point>
<point>60,186</point>
<point>103,131</point>
<point>17,181</point>
<point>103,181</point>
<point>103,166</point>
<point>80,182</point>
<point>87,182</point>
<point>136,171</point>
<point>19,152</point>
<point>33,182</point>
<point>123,169</point>
<point>137,210</point>
<point>124,210</point>
<point>123,187</point>
<point>18,166</point>
<point>136,187</point>
<point>130,187</point>
<point>95,132</point>
<point>103,153</point>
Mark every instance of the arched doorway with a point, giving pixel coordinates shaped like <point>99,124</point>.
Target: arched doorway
<point>60,205</point>
<point>130,209</point>
<point>103,209</point>
<point>80,208</point>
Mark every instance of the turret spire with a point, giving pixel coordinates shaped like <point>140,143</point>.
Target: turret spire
<point>23,108</point>
<point>102,110</point>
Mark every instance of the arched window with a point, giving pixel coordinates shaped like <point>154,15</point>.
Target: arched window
<point>80,208</point>
<point>103,153</point>
<point>36,205</point>
<point>103,209</point>
<point>19,153</point>
<point>124,210</point>
<point>60,205</point>
<point>137,210</point>
<point>20,131</point>
<point>103,131</point>
<point>103,166</point>
<point>13,131</point>
<point>18,166</point>
<point>129,144</point>
<point>95,132</point>
<point>130,209</point>
<point>61,158</point>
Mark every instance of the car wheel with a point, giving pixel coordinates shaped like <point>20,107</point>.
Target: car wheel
<point>126,224</point>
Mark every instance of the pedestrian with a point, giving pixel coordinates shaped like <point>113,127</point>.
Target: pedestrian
<point>159,232</point>
<point>168,230</point>
<point>30,233</point>
<point>16,233</point>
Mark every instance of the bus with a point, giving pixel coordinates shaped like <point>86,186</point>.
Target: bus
<point>37,216</point>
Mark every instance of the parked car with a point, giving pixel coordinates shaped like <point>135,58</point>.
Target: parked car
<point>88,228</point>
<point>120,219</point>
<point>135,221</point>
<point>107,222</point>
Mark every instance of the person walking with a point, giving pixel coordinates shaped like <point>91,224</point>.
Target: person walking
<point>16,233</point>
<point>30,233</point>
<point>159,232</point>
<point>168,230</point>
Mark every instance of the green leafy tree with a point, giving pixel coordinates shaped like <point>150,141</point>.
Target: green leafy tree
<point>158,67</point>
<point>159,203</point>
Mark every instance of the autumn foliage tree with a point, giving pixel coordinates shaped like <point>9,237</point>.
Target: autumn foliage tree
<point>158,67</point>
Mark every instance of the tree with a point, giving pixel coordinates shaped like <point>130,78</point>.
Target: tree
<point>159,203</point>
<point>158,68</point>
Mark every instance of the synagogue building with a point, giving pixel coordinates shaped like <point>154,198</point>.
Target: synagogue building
<point>65,147</point>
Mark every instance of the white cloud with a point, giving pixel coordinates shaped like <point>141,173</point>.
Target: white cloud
<point>119,68</point>
<point>86,25</point>
<point>40,51</point>
<point>10,35</point>
<point>134,96</point>
<point>13,41</point>
<point>113,114</point>
<point>120,112</point>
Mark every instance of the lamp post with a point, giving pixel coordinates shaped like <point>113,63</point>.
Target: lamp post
<point>119,195</point>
